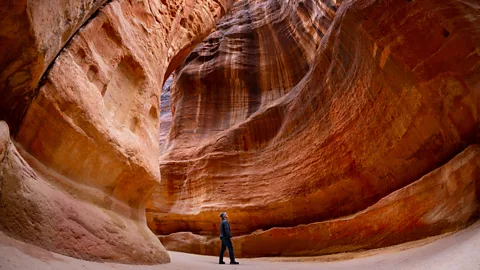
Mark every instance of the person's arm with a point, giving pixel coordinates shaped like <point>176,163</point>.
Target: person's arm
<point>222,229</point>
<point>227,230</point>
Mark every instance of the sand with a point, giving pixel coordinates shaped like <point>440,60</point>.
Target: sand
<point>456,251</point>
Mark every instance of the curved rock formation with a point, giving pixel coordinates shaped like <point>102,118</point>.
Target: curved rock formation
<point>88,141</point>
<point>41,206</point>
<point>391,94</point>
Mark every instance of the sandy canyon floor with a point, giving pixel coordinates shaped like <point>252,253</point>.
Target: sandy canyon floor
<point>460,250</point>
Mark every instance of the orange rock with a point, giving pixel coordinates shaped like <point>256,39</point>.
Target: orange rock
<point>310,122</point>
<point>260,51</point>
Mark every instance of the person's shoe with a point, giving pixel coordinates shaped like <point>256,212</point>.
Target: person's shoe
<point>221,262</point>
<point>234,263</point>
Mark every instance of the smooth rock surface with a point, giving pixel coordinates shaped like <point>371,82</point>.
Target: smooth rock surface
<point>343,125</point>
<point>99,105</point>
<point>42,207</point>
<point>258,53</point>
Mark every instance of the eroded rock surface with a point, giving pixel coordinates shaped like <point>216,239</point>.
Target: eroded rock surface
<point>391,93</point>
<point>88,141</point>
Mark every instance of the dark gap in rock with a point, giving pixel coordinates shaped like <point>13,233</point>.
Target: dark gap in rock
<point>445,32</point>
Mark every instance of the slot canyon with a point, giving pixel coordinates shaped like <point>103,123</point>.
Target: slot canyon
<point>322,127</point>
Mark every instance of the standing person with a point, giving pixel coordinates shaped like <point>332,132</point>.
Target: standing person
<point>225,236</point>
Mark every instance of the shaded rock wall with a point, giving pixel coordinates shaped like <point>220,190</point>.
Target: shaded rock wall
<point>165,112</point>
<point>392,93</point>
<point>89,137</point>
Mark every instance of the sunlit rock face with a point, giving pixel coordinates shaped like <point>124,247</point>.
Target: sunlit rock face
<point>322,122</point>
<point>85,156</point>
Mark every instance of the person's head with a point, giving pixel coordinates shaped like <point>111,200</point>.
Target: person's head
<point>223,215</point>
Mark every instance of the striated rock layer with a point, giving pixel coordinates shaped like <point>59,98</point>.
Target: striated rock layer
<point>391,93</point>
<point>258,53</point>
<point>87,145</point>
<point>441,201</point>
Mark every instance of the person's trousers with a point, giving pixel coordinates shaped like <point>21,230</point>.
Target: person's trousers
<point>226,242</point>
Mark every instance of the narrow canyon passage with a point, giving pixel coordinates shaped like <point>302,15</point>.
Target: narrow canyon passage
<point>320,126</point>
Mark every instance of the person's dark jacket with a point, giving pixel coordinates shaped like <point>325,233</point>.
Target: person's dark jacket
<point>225,229</point>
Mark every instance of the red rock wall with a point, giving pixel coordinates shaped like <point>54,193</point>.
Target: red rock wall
<point>41,206</point>
<point>441,201</point>
<point>88,142</point>
<point>258,53</point>
<point>391,94</point>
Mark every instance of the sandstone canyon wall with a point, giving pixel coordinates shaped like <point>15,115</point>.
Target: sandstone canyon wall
<point>321,126</point>
<point>83,153</point>
<point>323,129</point>
<point>259,52</point>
